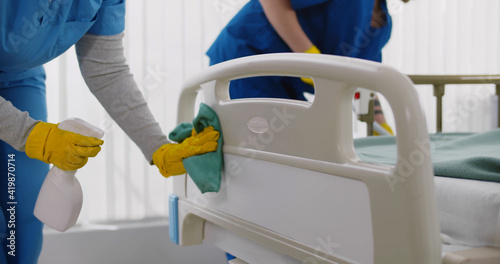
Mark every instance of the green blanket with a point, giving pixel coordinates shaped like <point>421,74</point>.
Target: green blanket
<point>460,155</point>
<point>205,169</point>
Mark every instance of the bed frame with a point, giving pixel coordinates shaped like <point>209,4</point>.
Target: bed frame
<point>438,83</point>
<point>294,190</point>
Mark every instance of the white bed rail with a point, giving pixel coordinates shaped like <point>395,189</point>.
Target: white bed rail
<point>318,137</point>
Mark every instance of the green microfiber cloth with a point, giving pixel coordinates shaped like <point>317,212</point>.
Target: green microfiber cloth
<point>205,169</point>
<point>460,155</point>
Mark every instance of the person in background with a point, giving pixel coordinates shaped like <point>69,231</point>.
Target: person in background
<point>31,34</point>
<point>351,28</point>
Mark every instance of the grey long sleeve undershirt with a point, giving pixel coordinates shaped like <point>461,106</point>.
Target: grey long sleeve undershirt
<point>106,73</point>
<point>15,125</point>
<point>104,68</point>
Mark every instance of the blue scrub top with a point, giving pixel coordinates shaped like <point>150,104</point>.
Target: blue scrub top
<point>337,27</point>
<point>33,32</point>
<point>299,4</point>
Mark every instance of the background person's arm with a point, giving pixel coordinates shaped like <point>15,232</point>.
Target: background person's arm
<point>284,20</point>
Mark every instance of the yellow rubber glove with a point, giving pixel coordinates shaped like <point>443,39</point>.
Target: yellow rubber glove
<point>386,127</point>
<point>313,49</point>
<point>168,158</point>
<point>66,150</point>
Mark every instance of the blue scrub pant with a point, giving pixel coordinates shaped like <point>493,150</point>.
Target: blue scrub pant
<point>16,215</point>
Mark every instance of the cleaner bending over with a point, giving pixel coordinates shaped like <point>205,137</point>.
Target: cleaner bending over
<point>351,28</point>
<point>31,34</point>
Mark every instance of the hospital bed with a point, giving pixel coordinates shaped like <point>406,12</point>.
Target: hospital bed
<point>293,189</point>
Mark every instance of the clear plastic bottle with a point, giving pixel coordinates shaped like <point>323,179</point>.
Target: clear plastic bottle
<point>60,199</point>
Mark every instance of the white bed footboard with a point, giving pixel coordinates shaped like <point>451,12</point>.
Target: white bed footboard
<point>294,190</point>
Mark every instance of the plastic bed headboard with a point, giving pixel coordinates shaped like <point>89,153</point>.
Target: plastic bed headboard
<point>317,137</point>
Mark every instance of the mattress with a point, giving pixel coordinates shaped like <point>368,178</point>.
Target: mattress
<point>458,155</point>
<point>469,211</point>
<point>468,198</point>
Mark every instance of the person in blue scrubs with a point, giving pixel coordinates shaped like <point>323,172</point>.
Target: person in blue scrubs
<point>351,28</point>
<point>33,32</point>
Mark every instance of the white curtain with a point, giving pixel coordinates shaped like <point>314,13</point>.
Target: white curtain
<point>165,44</point>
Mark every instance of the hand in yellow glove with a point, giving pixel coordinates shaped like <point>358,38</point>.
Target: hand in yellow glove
<point>168,158</point>
<point>386,127</point>
<point>66,150</point>
<point>313,49</point>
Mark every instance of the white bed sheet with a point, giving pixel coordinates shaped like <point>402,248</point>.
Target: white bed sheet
<point>469,211</point>
<point>445,249</point>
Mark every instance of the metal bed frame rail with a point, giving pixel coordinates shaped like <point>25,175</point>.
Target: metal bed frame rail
<point>439,81</point>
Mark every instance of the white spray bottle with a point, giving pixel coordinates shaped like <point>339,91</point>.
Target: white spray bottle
<point>60,199</point>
